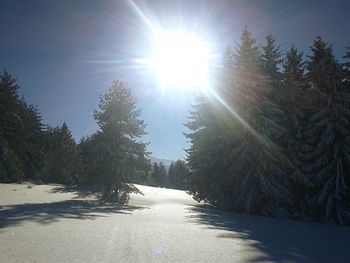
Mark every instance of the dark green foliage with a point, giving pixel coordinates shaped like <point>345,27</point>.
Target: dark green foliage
<point>61,156</point>
<point>103,161</point>
<point>327,135</point>
<point>293,86</point>
<point>276,139</point>
<point>271,58</point>
<point>247,54</point>
<point>241,169</point>
<point>115,154</point>
<point>158,175</point>
<point>346,68</point>
<point>179,175</point>
<point>31,152</point>
<point>20,134</point>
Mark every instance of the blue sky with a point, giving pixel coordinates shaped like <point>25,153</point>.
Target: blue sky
<point>66,53</point>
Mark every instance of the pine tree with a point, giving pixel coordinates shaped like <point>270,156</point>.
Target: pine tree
<point>154,175</point>
<point>234,160</point>
<point>120,130</point>
<point>163,175</point>
<point>247,54</point>
<point>211,137</point>
<point>158,175</point>
<point>346,67</point>
<point>61,156</point>
<point>327,134</point>
<point>31,149</point>
<point>92,157</point>
<point>258,162</point>
<point>294,85</point>
<point>272,58</point>
<point>179,175</point>
<point>271,65</point>
<point>10,130</point>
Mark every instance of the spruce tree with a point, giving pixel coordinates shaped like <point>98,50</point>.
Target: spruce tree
<point>211,136</point>
<point>61,156</point>
<point>179,175</point>
<point>294,85</point>
<point>272,58</point>
<point>31,150</point>
<point>163,175</point>
<point>234,160</point>
<point>119,136</point>
<point>346,67</point>
<point>327,134</point>
<point>154,175</point>
<point>11,130</point>
<point>258,160</point>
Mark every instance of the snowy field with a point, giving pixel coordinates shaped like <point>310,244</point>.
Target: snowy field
<point>51,223</point>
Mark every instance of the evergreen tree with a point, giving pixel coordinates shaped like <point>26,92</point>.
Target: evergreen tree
<point>20,134</point>
<point>271,65</point>
<point>179,175</point>
<point>162,176</point>
<point>154,175</point>
<point>212,135</point>
<point>31,149</point>
<point>327,134</point>
<point>294,65</point>
<point>272,58</point>
<point>11,130</point>
<point>248,169</point>
<point>247,53</point>
<point>61,156</point>
<point>158,175</point>
<point>293,86</point>
<point>258,160</point>
<point>120,130</point>
<point>92,157</point>
<point>346,67</point>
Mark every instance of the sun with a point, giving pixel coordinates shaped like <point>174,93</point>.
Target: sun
<point>180,60</point>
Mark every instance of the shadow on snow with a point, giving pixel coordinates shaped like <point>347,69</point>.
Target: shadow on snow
<point>46,213</point>
<point>279,240</point>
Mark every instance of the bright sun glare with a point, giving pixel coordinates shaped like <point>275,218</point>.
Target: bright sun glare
<point>180,60</point>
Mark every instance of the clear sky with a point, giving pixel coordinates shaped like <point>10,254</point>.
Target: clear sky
<point>66,53</point>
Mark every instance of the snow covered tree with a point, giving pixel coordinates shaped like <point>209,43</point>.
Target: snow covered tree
<point>328,136</point>
<point>258,160</point>
<point>293,85</point>
<point>207,154</point>
<point>234,160</point>
<point>271,66</point>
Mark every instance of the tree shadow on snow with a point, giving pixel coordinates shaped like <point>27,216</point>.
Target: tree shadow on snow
<point>46,213</point>
<point>279,240</point>
<point>78,191</point>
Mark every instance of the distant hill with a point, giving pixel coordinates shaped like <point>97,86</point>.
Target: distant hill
<point>164,161</point>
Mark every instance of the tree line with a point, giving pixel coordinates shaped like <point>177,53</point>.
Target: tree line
<point>272,135</point>
<point>177,176</point>
<point>103,161</point>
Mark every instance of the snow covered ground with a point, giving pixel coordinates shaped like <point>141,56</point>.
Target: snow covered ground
<point>52,223</point>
